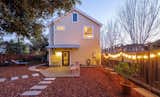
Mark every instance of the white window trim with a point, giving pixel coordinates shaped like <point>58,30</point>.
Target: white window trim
<point>60,25</point>
<point>77,17</point>
<point>92,32</point>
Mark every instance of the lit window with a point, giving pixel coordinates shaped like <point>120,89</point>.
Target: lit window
<point>60,28</point>
<point>75,17</point>
<point>88,32</point>
<point>58,53</point>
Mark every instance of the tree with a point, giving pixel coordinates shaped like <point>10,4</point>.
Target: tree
<point>39,43</point>
<point>23,17</point>
<point>14,47</point>
<point>140,19</point>
<point>111,34</point>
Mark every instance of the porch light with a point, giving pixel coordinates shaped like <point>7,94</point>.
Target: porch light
<point>58,53</point>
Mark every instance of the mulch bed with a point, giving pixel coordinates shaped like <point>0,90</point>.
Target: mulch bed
<point>42,67</point>
<point>14,70</point>
<point>93,82</point>
<point>16,88</point>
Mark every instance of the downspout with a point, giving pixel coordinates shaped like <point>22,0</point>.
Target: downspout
<point>51,42</point>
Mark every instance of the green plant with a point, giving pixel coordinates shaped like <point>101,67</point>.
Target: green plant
<point>126,70</point>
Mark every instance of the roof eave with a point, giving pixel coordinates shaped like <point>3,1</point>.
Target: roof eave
<point>78,10</point>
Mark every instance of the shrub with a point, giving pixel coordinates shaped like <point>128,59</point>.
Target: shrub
<point>125,69</point>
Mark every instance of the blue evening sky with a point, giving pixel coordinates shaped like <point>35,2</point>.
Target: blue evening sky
<point>102,10</point>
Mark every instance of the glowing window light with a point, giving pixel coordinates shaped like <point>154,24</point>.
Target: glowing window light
<point>88,32</point>
<point>145,57</point>
<point>60,28</point>
<point>58,53</point>
<point>152,55</point>
<point>158,53</point>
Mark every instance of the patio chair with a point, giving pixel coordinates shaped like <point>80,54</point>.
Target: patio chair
<point>75,67</point>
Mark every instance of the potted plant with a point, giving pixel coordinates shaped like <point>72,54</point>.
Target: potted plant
<point>126,70</point>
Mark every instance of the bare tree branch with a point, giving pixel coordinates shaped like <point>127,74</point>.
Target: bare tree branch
<point>140,19</point>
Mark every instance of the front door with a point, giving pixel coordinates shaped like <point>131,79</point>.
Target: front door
<point>65,58</point>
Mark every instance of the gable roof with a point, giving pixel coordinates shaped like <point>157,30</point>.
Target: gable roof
<point>80,12</point>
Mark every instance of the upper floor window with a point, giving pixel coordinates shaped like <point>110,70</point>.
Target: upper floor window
<point>88,32</point>
<point>74,17</point>
<point>60,28</point>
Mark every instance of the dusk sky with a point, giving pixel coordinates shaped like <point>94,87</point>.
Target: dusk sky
<point>102,10</point>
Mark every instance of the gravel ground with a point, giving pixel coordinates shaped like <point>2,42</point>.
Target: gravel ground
<point>15,70</point>
<point>15,88</point>
<point>93,82</point>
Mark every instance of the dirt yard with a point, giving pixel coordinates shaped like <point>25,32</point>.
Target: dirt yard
<point>93,82</point>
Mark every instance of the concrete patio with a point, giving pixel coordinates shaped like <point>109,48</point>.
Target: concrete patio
<point>59,72</point>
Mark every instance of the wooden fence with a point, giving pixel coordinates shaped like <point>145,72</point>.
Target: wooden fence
<point>147,62</point>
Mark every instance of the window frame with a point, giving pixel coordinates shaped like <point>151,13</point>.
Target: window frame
<point>77,17</point>
<point>92,32</point>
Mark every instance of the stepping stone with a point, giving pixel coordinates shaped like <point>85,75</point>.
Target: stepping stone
<point>47,79</point>
<point>110,69</point>
<point>39,87</point>
<point>45,82</point>
<point>25,76</point>
<point>31,93</point>
<point>35,74</point>
<point>114,73</point>
<point>14,78</point>
<point>2,79</point>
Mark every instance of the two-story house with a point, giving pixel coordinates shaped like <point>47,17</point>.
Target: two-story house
<point>74,37</point>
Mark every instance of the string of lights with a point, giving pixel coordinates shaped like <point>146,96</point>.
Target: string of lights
<point>131,56</point>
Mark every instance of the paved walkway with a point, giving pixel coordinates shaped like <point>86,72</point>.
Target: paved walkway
<point>37,89</point>
<point>60,72</point>
<point>13,78</point>
<point>56,71</point>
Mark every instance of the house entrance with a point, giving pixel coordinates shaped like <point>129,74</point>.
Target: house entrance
<point>65,58</point>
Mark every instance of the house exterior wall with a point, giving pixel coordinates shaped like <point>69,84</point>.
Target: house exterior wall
<point>73,34</point>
